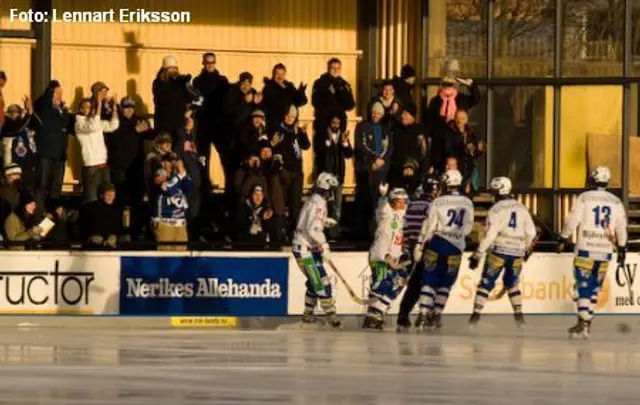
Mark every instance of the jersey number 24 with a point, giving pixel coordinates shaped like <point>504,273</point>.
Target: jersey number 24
<point>456,218</point>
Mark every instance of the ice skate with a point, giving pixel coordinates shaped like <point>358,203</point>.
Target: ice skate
<point>371,322</point>
<point>334,322</point>
<point>579,330</point>
<point>310,319</point>
<point>519,318</point>
<point>435,322</point>
<point>422,322</point>
<point>403,325</point>
<point>473,320</point>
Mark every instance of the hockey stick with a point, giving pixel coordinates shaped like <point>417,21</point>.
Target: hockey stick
<point>352,294</point>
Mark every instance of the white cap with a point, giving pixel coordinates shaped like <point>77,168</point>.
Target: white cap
<point>452,178</point>
<point>169,61</point>
<point>601,175</point>
<point>293,110</point>
<point>327,181</point>
<point>501,185</point>
<point>377,107</point>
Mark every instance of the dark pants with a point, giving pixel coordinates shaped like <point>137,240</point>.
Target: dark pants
<point>92,179</point>
<point>411,294</point>
<point>336,212</point>
<point>292,183</point>
<point>49,176</point>
<point>119,179</point>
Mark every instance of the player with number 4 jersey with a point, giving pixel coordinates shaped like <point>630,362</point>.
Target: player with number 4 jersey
<point>448,223</point>
<point>510,234</point>
<point>599,221</point>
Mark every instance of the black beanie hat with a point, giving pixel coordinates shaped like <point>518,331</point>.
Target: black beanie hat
<point>407,71</point>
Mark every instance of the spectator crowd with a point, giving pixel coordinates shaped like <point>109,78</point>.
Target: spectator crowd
<point>134,192</point>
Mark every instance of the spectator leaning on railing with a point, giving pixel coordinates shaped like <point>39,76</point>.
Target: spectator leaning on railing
<point>89,129</point>
<point>19,142</point>
<point>254,220</point>
<point>101,220</point>
<point>403,86</point>
<point>169,203</point>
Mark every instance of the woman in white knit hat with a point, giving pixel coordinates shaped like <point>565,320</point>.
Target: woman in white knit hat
<point>171,96</point>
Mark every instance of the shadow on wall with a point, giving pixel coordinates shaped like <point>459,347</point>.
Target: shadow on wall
<point>132,52</point>
<point>132,91</point>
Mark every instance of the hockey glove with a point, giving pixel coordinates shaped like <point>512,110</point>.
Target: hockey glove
<point>330,222</point>
<point>383,189</point>
<point>474,260</point>
<point>563,244</point>
<point>417,252</point>
<point>527,255</point>
<point>622,256</point>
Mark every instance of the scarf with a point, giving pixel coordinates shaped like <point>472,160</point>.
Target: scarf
<point>448,108</point>
<point>288,130</point>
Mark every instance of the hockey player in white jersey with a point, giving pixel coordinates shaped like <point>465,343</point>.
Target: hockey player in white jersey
<point>311,249</point>
<point>599,221</point>
<point>510,234</point>
<point>444,231</point>
<point>388,269</point>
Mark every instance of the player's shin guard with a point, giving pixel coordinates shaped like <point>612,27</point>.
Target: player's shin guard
<point>515,296</point>
<point>441,300</point>
<point>482,296</point>
<point>310,302</point>
<point>427,299</point>
<point>584,308</point>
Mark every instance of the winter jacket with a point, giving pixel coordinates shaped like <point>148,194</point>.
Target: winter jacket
<point>277,99</point>
<point>98,218</point>
<point>237,107</point>
<point>214,87</point>
<point>52,127</point>
<point>332,155</point>
<point>404,92</point>
<point>327,104</point>
<point>186,147</point>
<point>410,142</point>
<point>125,145</point>
<point>16,230</point>
<point>9,198</point>
<point>436,125</point>
<point>456,145</point>
<point>171,98</point>
<point>19,144</point>
<point>168,200</point>
<point>389,117</point>
<point>249,141</point>
<point>365,152</point>
<point>153,162</point>
<point>289,145</point>
<point>251,225</point>
<point>247,177</point>
<point>90,133</point>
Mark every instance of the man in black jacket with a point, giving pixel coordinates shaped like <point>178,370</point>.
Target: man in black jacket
<point>125,148</point>
<point>409,142</point>
<point>279,94</point>
<point>253,133</point>
<point>52,123</point>
<point>331,97</point>
<point>288,142</point>
<point>403,85</point>
<point>254,222</point>
<point>101,220</point>
<point>331,158</point>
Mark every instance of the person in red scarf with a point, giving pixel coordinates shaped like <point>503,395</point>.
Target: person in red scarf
<point>442,109</point>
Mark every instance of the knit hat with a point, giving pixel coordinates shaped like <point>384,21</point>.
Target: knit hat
<point>163,137</point>
<point>12,169</point>
<point>410,163</point>
<point>377,107</point>
<point>246,76</point>
<point>258,113</point>
<point>161,173</point>
<point>293,110</point>
<point>407,71</point>
<point>97,86</point>
<point>257,187</point>
<point>169,62</point>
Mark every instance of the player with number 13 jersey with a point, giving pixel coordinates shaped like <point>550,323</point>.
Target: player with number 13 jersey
<point>599,221</point>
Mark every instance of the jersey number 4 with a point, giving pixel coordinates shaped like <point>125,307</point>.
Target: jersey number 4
<point>456,218</point>
<point>602,214</point>
<point>513,220</point>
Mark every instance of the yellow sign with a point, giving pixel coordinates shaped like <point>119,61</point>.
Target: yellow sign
<point>204,321</point>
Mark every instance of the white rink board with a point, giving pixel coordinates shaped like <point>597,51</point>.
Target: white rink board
<point>59,283</point>
<point>546,285</point>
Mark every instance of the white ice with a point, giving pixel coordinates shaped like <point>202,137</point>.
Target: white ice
<point>495,364</point>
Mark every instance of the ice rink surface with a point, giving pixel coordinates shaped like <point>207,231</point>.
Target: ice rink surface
<point>495,364</point>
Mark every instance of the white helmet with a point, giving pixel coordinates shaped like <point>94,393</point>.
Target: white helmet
<point>327,181</point>
<point>398,194</point>
<point>601,175</point>
<point>452,178</point>
<point>501,185</point>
